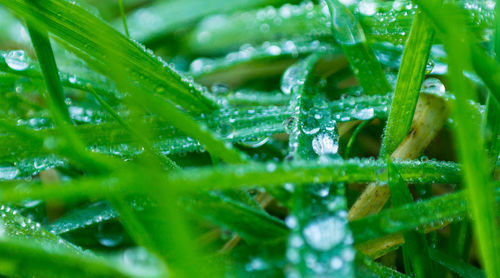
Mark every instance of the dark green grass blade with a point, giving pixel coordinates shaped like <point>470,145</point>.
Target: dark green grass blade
<point>252,224</point>
<point>415,248</point>
<point>350,35</point>
<point>50,261</point>
<point>409,82</point>
<point>366,267</point>
<point>459,267</point>
<point>102,45</point>
<point>48,65</point>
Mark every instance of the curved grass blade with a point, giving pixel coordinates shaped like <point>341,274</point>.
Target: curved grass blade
<point>50,261</point>
<point>348,32</point>
<point>448,208</point>
<point>366,267</point>
<point>101,45</point>
<point>252,224</point>
<point>254,62</point>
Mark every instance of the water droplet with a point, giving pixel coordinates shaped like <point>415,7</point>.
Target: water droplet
<point>433,86</point>
<point>271,166</point>
<point>324,233</point>
<point>274,50</point>
<point>289,124</point>
<point>323,144</point>
<point>219,88</point>
<point>109,234</point>
<point>364,114</point>
<point>16,60</point>
<point>291,79</point>
<point>255,143</point>
<point>72,79</point>
<point>367,8</point>
<point>8,172</point>
<point>429,67</point>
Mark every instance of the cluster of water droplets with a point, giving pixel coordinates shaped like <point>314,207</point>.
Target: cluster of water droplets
<point>270,22</point>
<point>320,244</point>
<point>247,52</point>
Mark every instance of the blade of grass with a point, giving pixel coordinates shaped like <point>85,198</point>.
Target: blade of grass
<point>44,53</point>
<point>462,269</point>
<point>124,18</point>
<point>470,142</point>
<point>350,35</point>
<point>409,82</point>
<point>415,248</point>
<point>102,45</point>
<point>318,217</point>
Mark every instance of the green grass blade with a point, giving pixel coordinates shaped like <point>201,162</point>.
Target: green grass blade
<point>317,220</point>
<point>252,224</point>
<point>152,23</point>
<point>102,45</point>
<point>471,144</point>
<point>350,35</point>
<point>48,65</point>
<point>415,248</point>
<point>428,213</point>
<point>50,261</point>
<point>460,268</point>
<point>124,18</point>
<point>409,82</point>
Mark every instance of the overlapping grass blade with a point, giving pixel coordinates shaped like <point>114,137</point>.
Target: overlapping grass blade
<point>470,142</point>
<point>409,82</point>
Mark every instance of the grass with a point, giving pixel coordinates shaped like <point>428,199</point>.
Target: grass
<point>192,138</point>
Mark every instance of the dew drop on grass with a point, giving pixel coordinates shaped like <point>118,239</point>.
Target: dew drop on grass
<point>291,79</point>
<point>364,114</point>
<point>8,172</point>
<point>289,124</point>
<point>109,234</point>
<point>324,233</point>
<point>255,143</point>
<point>323,144</point>
<point>367,8</point>
<point>17,60</point>
<point>433,86</point>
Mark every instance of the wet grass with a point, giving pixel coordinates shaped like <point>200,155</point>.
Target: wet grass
<point>267,138</point>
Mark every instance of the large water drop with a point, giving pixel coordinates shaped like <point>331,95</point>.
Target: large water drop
<point>16,60</point>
